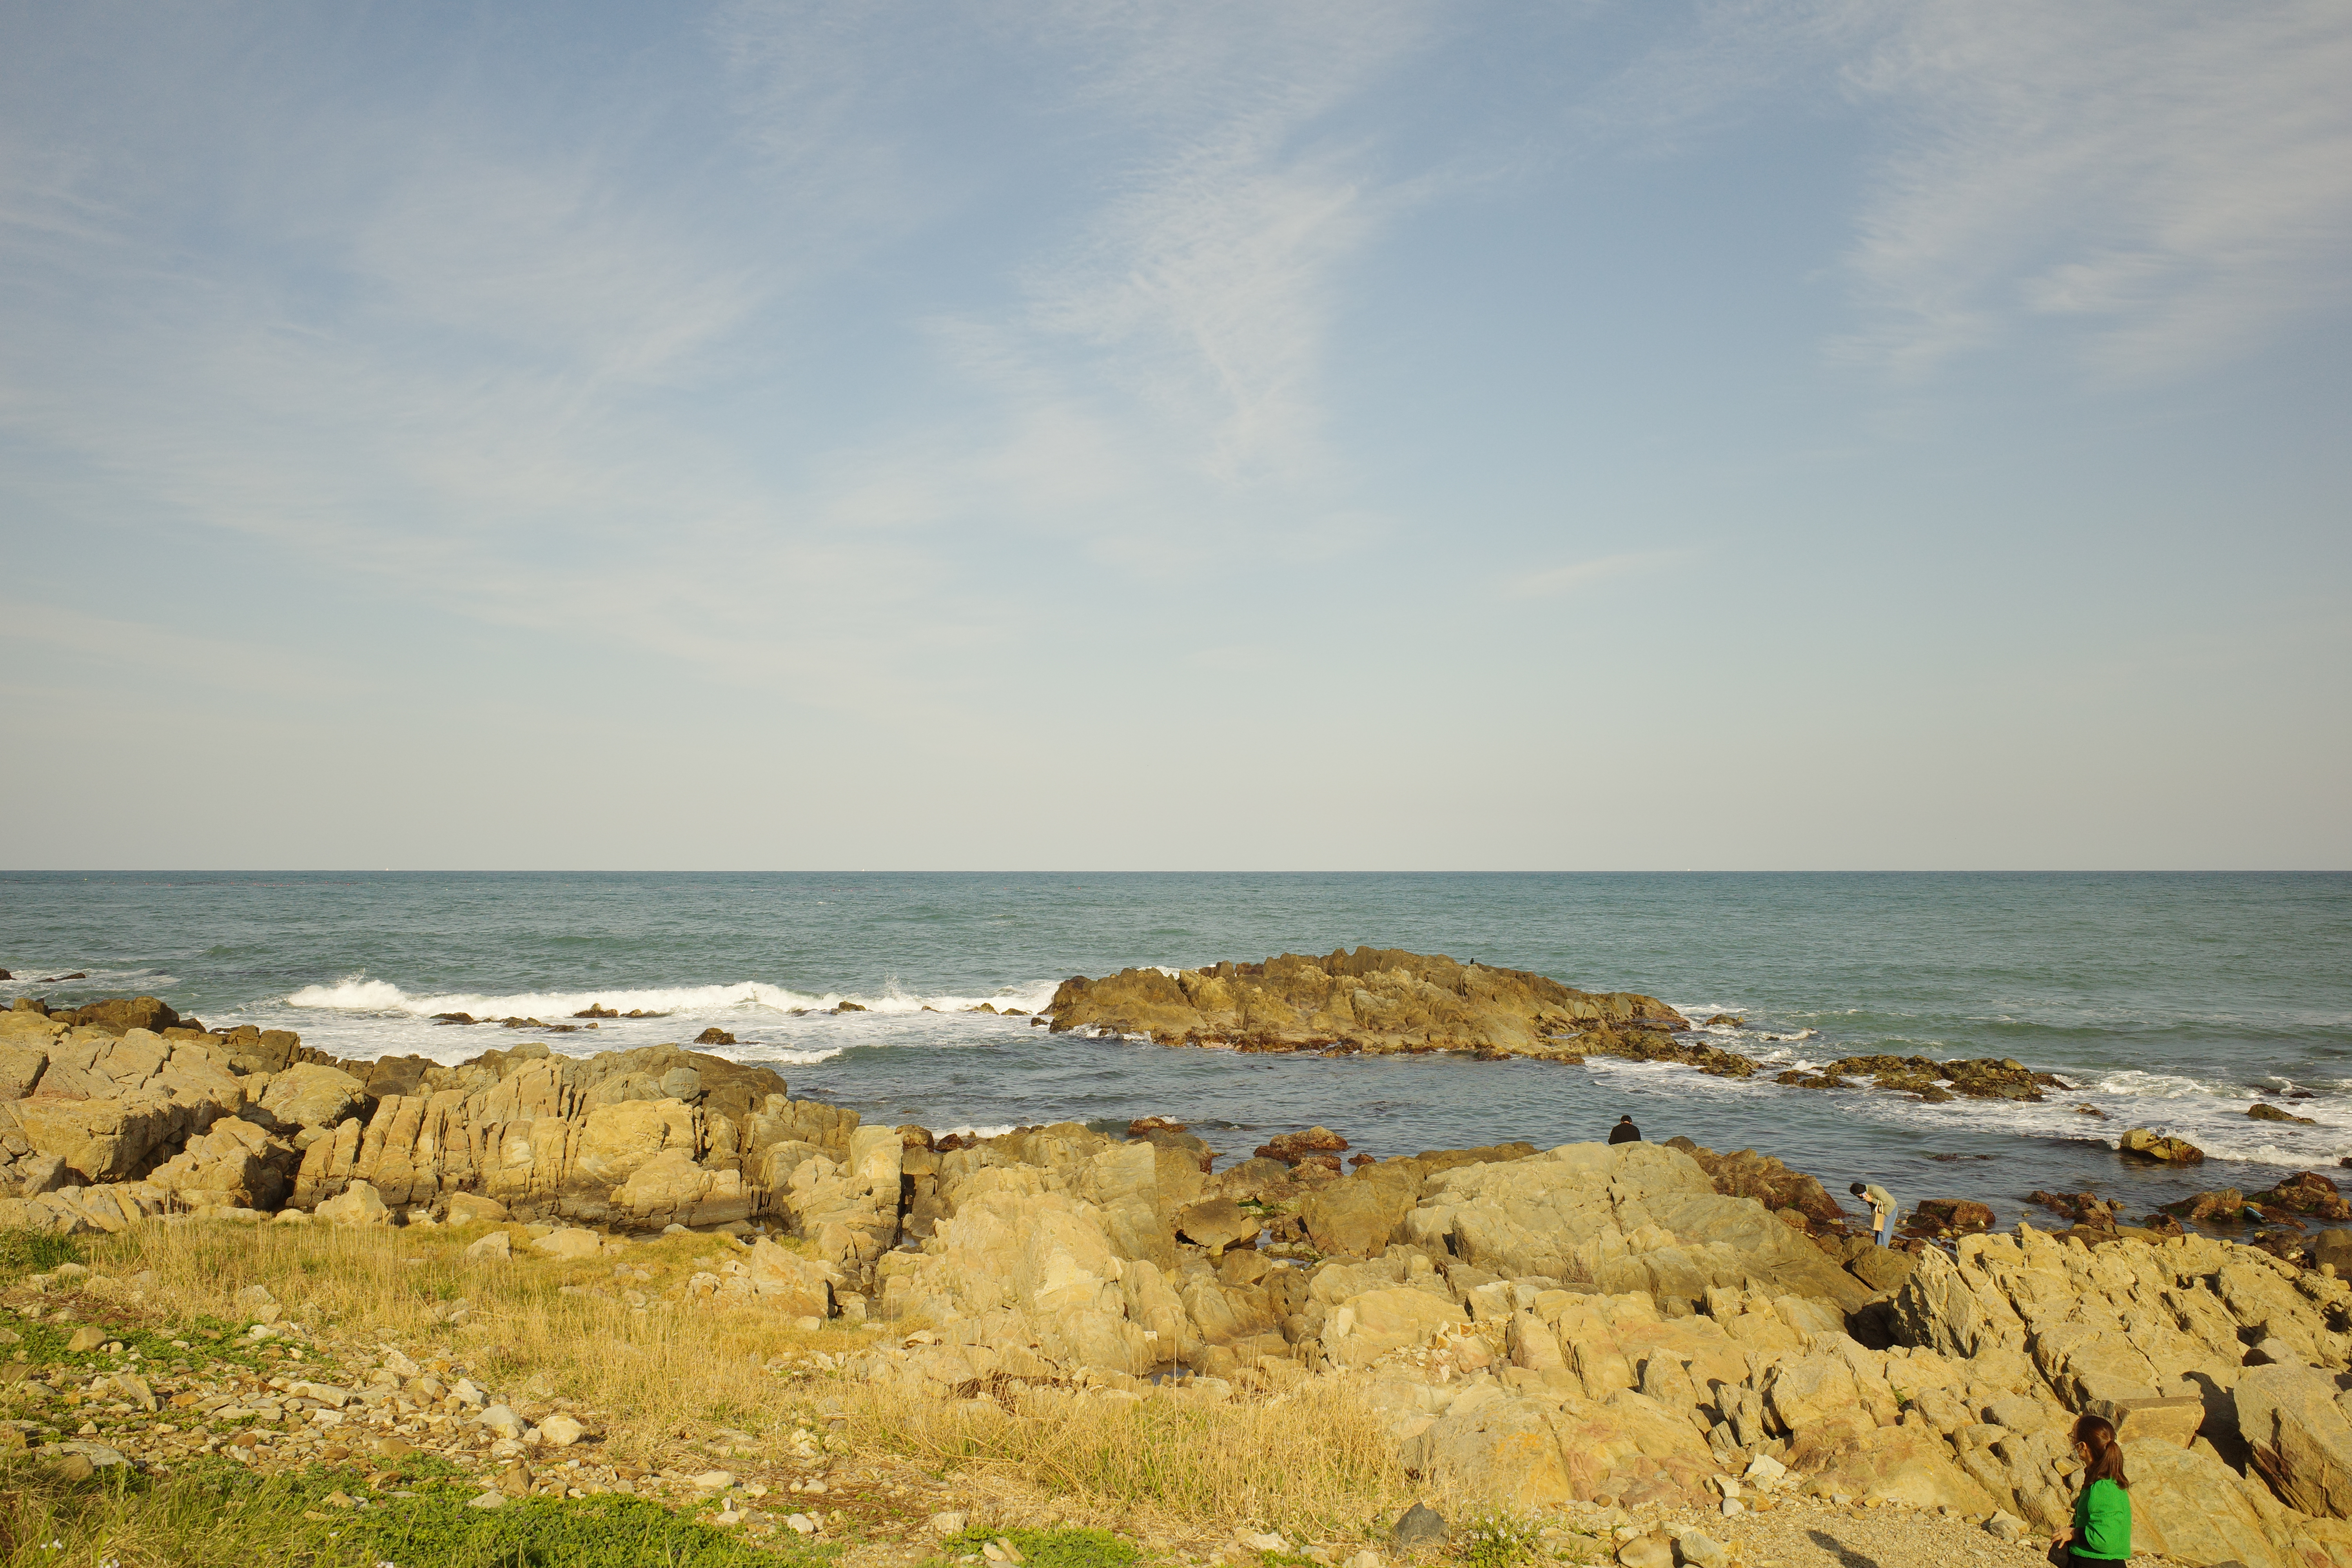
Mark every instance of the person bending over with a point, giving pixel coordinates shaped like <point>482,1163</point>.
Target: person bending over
<point>1882,1210</point>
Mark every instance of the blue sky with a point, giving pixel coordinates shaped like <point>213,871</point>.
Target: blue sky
<point>1378,435</point>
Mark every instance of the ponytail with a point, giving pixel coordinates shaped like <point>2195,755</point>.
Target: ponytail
<point>2097,1434</point>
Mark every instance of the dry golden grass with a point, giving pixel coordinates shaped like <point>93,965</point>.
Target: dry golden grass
<point>658,1372</point>
<point>1317,1460</point>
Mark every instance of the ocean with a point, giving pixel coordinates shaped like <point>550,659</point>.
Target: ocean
<point>2167,1000</point>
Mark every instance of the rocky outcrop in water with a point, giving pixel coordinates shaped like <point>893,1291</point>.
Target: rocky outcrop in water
<point>1371,1000</point>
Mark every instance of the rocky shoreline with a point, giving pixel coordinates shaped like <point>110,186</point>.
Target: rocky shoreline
<point>1648,1349</point>
<point>1380,1000</point>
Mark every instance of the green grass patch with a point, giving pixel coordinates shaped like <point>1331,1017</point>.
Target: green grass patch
<point>1050,1548</point>
<point>209,1340</point>
<point>217,1515</point>
<point>26,1252</point>
<point>1496,1541</point>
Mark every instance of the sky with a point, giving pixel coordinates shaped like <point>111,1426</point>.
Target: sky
<point>1121,435</point>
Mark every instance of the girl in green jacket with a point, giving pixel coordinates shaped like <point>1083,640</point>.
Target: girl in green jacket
<point>2102,1531</point>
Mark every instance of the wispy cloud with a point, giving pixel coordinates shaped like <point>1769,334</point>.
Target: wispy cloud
<point>2171,180</point>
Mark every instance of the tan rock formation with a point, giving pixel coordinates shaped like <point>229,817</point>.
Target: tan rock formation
<point>1373,999</point>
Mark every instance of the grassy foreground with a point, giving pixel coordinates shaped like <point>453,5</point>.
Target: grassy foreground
<point>219,1516</point>
<point>673,1390</point>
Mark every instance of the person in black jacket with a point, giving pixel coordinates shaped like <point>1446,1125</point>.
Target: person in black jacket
<point>1624,1131</point>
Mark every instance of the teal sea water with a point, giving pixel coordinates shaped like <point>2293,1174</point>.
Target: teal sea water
<point>2170,1000</point>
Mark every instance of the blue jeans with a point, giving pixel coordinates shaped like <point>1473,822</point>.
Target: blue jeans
<point>1886,1230</point>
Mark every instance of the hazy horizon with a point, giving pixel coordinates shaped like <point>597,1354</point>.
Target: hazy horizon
<point>1830,436</point>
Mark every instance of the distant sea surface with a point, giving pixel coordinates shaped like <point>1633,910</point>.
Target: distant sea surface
<point>2168,1000</point>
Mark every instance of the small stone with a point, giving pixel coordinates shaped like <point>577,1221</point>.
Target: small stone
<point>488,1499</point>
<point>2005,1526</point>
<point>801,1523</point>
<point>1646,1551</point>
<point>1268,1542</point>
<point>74,1467</point>
<point>393,1448</point>
<point>1419,1527</point>
<point>951,1523</point>
<point>1699,1550</point>
<point>560,1431</point>
<point>85,1339</point>
<point>715,1480</point>
<point>495,1247</point>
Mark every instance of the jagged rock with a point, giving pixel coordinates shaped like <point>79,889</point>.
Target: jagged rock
<point>2262,1112</point>
<point>772,1278</point>
<point>1978,1077</point>
<point>1369,1000</point>
<point>1745,1173</point>
<point>2307,1193</point>
<point>1882,1268</point>
<point>238,1163</point>
<point>1295,1147</point>
<point>1955,1213</point>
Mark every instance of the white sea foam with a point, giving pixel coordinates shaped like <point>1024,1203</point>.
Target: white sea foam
<point>358,994</point>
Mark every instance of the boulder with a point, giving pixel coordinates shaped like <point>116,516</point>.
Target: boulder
<point>2149,1144</point>
<point>359,1204</point>
<point>1217,1224</point>
<point>1954,1213</point>
<point>496,1248</point>
<point>568,1243</point>
<point>236,1165</point>
<point>109,1139</point>
<point>1357,1216</point>
<point>1295,1148</point>
<point>1374,1322</point>
<point>313,1096</point>
<point>472,1208</point>
<point>122,1014</point>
